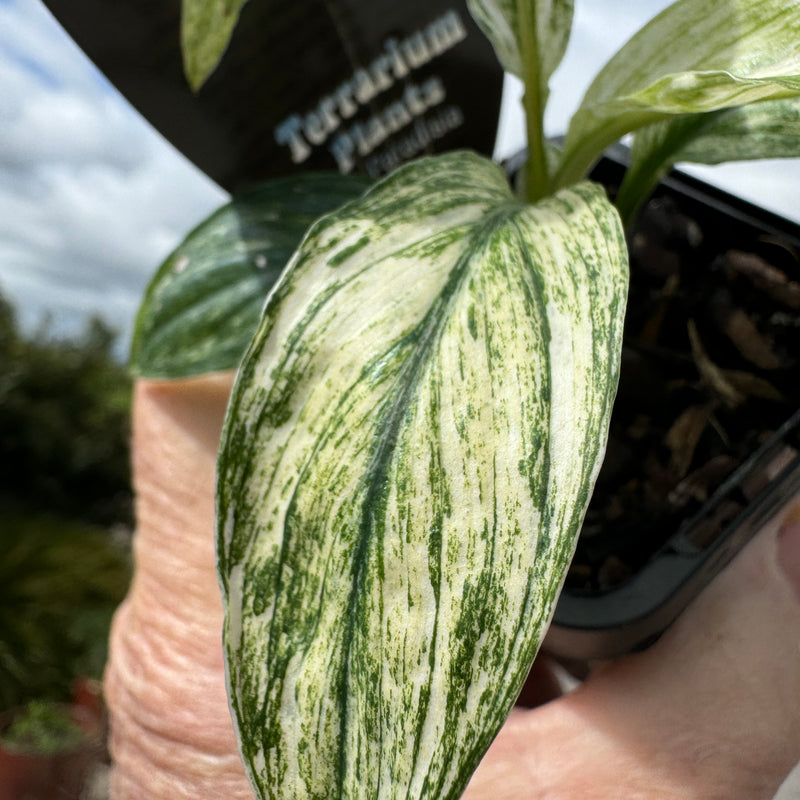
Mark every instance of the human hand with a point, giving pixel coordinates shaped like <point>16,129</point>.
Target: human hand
<point>171,732</point>
<point>710,711</point>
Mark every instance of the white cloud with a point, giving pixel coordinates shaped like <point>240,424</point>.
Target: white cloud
<point>58,126</point>
<point>91,198</point>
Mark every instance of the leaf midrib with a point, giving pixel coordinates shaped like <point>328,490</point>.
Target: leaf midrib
<point>427,332</point>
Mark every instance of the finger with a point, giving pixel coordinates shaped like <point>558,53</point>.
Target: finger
<point>710,711</point>
<point>171,731</point>
<point>715,701</point>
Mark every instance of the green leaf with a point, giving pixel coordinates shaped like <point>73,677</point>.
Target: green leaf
<point>770,129</point>
<point>522,31</point>
<point>409,449</point>
<point>202,307</point>
<point>763,130</point>
<point>530,38</point>
<point>696,56</point>
<point>206,30</point>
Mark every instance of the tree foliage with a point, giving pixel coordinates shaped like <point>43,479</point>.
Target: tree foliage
<point>64,424</point>
<point>64,481</point>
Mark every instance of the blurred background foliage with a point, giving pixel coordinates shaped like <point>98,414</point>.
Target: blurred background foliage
<point>65,506</point>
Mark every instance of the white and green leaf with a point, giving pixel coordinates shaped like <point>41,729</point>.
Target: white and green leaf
<point>697,56</point>
<point>761,130</point>
<point>202,307</point>
<point>408,453</point>
<point>526,32</point>
<point>529,38</point>
<point>206,30</point>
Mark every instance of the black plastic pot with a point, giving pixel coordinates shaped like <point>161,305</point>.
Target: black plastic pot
<point>688,550</point>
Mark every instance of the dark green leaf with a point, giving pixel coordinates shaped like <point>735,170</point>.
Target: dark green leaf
<point>202,307</point>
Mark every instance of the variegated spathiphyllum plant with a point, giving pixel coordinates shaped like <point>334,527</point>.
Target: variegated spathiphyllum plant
<point>422,406</point>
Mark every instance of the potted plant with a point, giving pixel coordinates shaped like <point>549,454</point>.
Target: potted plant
<point>419,419</point>
<point>703,445</point>
<point>60,581</point>
<point>50,748</point>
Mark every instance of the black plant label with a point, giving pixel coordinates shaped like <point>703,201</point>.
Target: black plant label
<point>347,85</point>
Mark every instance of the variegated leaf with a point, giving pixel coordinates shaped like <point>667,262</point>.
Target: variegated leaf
<point>202,307</point>
<point>528,36</point>
<point>770,129</point>
<point>763,130</point>
<point>696,56</point>
<point>409,449</point>
<point>206,30</point>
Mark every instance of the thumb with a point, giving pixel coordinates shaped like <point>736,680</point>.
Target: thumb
<point>172,735</point>
<point>709,712</point>
<point>714,706</point>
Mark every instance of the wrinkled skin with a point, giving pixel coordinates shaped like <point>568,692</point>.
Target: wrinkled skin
<point>711,711</point>
<point>172,736</point>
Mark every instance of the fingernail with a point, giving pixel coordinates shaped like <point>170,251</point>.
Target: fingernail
<point>789,547</point>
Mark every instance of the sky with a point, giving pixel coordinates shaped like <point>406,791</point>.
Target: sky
<point>92,199</point>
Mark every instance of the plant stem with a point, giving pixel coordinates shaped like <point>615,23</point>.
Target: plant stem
<point>537,181</point>
<point>587,139</point>
<point>580,156</point>
<point>637,185</point>
<point>650,162</point>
